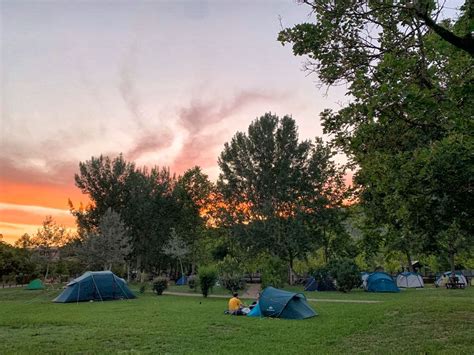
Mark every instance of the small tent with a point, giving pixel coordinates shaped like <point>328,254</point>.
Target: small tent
<point>282,304</point>
<point>444,278</point>
<point>35,284</point>
<point>183,280</point>
<point>95,286</point>
<point>381,282</point>
<point>410,280</point>
<point>326,284</point>
<point>311,284</point>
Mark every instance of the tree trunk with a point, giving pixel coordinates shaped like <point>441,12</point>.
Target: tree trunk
<point>291,276</point>
<point>181,265</point>
<point>451,262</point>
<point>47,272</point>
<point>410,266</point>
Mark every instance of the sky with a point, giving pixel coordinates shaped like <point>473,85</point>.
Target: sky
<point>165,83</point>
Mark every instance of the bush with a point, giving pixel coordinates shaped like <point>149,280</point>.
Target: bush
<point>159,285</point>
<point>347,274</point>
<point>207,278</point>
<point>273,273</point>
<point>231,274</point>
<point>142,288</point>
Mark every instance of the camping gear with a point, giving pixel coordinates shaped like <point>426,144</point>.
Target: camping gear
<point>323,285</point>
<point>35,284</point>
<point>410,280</point>
<point>442,280</point>
<point>95,286</point>
<point>282,304</point>
<point>381,282</point>
<point>183,280</point>
<point>364,276</point>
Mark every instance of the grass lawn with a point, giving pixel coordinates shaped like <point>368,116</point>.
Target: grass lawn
<point>413,321</point>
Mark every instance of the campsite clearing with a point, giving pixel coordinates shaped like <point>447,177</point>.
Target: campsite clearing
<point>436,320</point>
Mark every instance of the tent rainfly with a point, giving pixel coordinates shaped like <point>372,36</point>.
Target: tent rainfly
<point>410,280</point>
<point>95,286</point>
<point>277,303</point>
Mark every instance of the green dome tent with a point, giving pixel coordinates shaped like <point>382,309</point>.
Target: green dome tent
<point>95,286</point>
<point>36,284</point>
<point>283,304</point>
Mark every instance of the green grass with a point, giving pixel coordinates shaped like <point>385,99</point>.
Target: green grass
<point>427,321</point>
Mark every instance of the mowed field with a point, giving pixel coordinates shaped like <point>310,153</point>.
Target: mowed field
<point>413,321</point>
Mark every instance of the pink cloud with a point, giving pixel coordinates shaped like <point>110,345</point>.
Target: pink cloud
<point>202,143</point>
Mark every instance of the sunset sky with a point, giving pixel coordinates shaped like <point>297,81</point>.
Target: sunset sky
<point>164,82</point>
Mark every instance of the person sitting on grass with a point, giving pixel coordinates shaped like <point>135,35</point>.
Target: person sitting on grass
<point>236,306</point>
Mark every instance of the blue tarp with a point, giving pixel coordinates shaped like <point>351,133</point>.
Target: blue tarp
<point>381,282</point>
<point>283,304</point>
<point>96,286</point>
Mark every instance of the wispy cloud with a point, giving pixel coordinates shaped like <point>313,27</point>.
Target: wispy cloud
<point>199,119</point>
<point>149,142</point>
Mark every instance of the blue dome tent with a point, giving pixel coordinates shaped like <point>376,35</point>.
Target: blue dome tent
<point>282,304</point>
<point>95,286</point>
<point>183,280</point>
<point>381,282</point>
<point>311,284</point>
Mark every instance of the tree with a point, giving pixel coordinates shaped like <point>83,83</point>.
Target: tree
<point>24,241</point>
<point>411,90</point>
<point>176,247</point>
<point>193,192</point>
<point>274,188</point>
<point>47,241</point>
<point>109,245</point>
<point>142,197</point>
<point>15,261</point>
<point>103,180</point>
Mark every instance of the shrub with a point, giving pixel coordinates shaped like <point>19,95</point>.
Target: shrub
<point>159,285</point>
<point>207,278</point>
<point>347,274</point>
<point>231,274</point>
<point>142,288</point>
<point>273,272</point>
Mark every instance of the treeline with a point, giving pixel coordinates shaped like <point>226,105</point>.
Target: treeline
<point>280,204</point>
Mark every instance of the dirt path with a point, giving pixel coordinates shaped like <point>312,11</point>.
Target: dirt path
<point>245,297</point>
<point>252,291</point>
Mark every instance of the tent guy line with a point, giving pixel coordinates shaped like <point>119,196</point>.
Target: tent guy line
<point>308,299</point>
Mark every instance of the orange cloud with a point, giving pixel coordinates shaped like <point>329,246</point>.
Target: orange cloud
<point>54,196</point>
<point>24,206</point>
